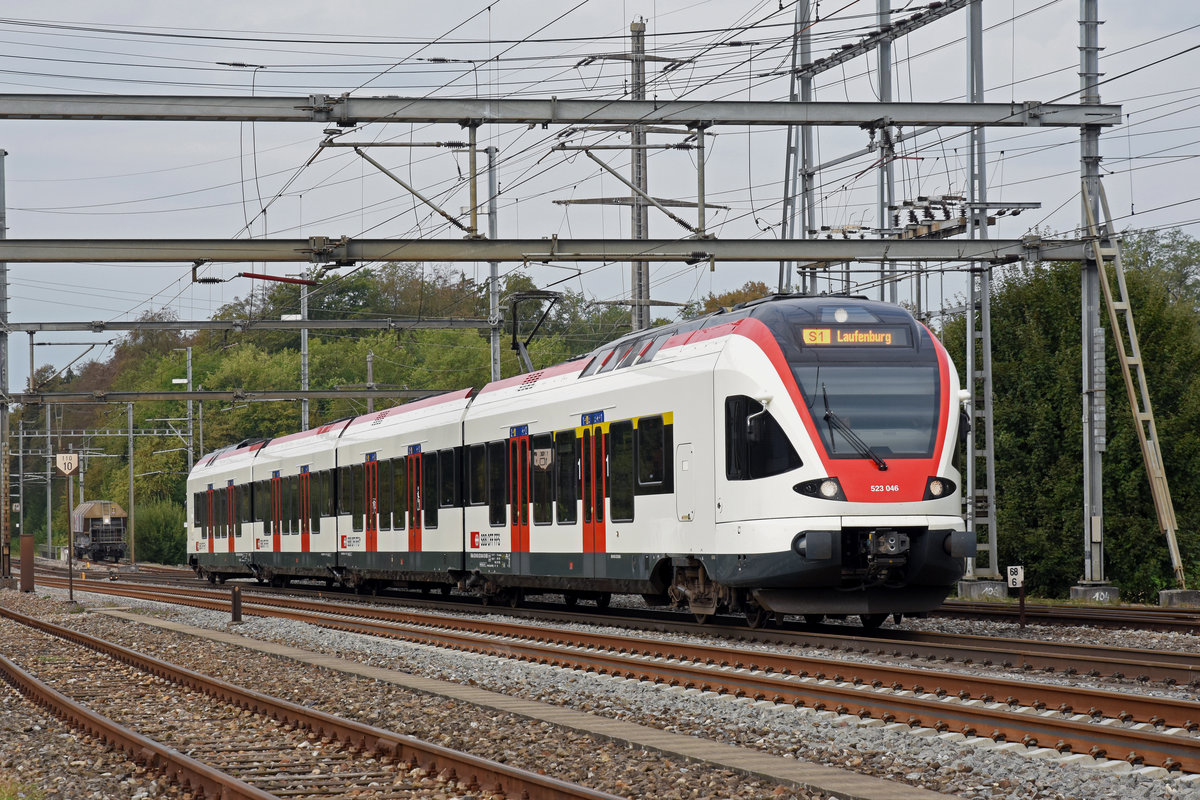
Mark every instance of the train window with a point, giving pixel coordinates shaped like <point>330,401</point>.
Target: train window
<point>385,495</point>
<point>314,501</point>
<point>632,353</point>
<point>654,347</point>
<point>243,495</point>
<point>542,482</point>
<point>399,492</point>
<point>653,456</point>
<point>345,491</point>
<point>431,465</point>
<point>596,363</point>
<point>288,505</point>
<point>497,501</point>
<point>260,500</point>
<point>357,496</point>
<point>755,445</point>
<point>566,476</point>
<point>197,505</point>
<point>614,357</point>
<point>476,475</point>
<point>620,469</point>
<point>448,472</point>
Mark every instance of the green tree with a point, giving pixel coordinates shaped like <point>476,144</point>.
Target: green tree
<point>1036,353</point>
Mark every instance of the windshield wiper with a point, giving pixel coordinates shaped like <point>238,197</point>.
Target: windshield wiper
<point>837,422</point>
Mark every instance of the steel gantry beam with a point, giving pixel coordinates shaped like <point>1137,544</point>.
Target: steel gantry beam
<point>319,249</point>
<point>240,325</point>
<point>50,398</point>
<point>349,111</point>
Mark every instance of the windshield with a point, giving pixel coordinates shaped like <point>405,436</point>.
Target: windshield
<point>892,408</point>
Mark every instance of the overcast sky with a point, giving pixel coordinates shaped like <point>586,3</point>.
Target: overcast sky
<point>69,179</point>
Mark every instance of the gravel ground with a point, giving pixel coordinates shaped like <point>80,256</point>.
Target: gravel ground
<point>933,763</point>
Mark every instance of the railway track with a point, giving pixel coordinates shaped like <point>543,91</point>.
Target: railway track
<point>224,741</point>
<point>1154,731</point>
<point>1152,618</point>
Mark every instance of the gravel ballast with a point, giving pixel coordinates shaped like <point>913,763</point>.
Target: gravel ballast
<point>928,761</point>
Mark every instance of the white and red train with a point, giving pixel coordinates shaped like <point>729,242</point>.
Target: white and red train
<point>790,456</point>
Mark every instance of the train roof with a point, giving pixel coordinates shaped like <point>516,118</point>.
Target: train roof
<point>775,311</point>
<point>99,509</point>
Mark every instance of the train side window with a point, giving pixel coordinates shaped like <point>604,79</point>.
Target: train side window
<point>345,491</point>
<point>385,495</point>
<point>242,494</point>
<point>430,467</point>
<point>357,497</point>
<point>620,469</point>
<point>654,347</point>
<point>447,472</point>
<point>320,492</point>
<point>399,492</point>
<point>542,482</point>
<point>497,497</point>
<point>631,354</point>
<point>197,505</point>
<point>614,357</point>
<point>289,505</point>
<point>262,500</point>
<point>566,476</point>
<point>755,444</point>
<point>476,475</point>
<point>314,502</point>
<point>596,363</point>
<point>653,459</point>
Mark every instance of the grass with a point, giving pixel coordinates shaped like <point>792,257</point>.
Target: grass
<point>11,790</point>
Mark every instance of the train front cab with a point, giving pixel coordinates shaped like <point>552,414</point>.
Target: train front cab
<point>838,423</point>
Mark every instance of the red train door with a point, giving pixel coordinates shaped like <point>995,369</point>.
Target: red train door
<point>518,492</point>
<point>415,501</point>
<point>276,512</point>
<point>593,463</point>
<point>305,510</point>
<point>371,501</point>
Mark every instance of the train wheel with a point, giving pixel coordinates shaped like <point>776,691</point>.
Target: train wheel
<point>814,619</point>
<point>872,621</point>
<point>446,588</point>
<point>757,616</point>
<point>703,619</point>
<point>602,600</point>
<point>514,598</point>
<point>211,578</point>
<point>571,599</point>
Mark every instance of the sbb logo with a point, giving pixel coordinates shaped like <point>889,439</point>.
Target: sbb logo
<point>474,540</point>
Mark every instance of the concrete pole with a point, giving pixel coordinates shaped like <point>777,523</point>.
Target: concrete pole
<point>1094,433</point>
<point>5,422</point>
<point>370,380</point>
<point>493,266</point>
<point>129,511</point>
<point>640,214</point>
<point>303,357</point>
<point>49,490</point>
<point>191,441</point>
<point>886,188</point>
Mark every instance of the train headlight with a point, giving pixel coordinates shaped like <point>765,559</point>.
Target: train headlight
<point>939,487</point>
<point>823,488</point>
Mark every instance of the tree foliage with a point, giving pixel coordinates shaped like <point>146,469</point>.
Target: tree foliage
<point>1036,367</point>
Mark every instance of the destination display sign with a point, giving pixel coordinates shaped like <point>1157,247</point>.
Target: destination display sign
<point>845,336</point>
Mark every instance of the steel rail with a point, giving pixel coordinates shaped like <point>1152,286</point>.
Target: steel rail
<point>182,769</point>
<point>845,697</point>
<point>504,779</point>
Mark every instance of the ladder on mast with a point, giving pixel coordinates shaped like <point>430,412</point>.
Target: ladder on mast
<point>1120,317</point>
